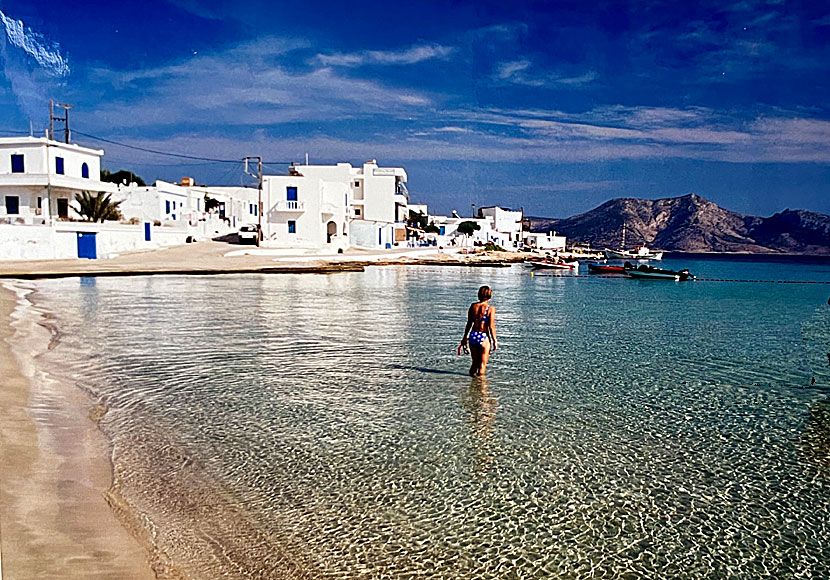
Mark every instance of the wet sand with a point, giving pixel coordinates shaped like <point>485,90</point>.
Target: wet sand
<point>56,518</point>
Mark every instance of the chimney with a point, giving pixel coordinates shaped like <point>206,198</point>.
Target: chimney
<point>188,182</point>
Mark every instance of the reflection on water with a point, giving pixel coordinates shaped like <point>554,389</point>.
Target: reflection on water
<point>817,433</point>
<point>323,427</point>
<point>482,406</point>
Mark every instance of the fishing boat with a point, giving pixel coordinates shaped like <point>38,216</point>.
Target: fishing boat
<point>638,253</point>
<point>595,268</point>
<point>552,265</point>
<point>644,272</point>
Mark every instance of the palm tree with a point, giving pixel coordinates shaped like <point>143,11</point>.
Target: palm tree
<point>97,208</point>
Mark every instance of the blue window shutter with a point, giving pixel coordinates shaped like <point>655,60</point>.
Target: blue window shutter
<point>85,171</point>
<point>17,164</point>
<point>59,165</point>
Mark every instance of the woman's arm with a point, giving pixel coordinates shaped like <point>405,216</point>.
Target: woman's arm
<point>469,326</point>
<point>491,329</point>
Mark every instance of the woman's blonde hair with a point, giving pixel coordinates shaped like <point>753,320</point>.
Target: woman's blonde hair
<point>484,293</point>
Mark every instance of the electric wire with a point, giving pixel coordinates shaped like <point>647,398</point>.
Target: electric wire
<point>169,154</point>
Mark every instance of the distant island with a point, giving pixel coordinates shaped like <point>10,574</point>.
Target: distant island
<point>692,224</point>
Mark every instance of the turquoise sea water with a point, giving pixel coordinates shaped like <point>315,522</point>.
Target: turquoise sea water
<point>300,426</point>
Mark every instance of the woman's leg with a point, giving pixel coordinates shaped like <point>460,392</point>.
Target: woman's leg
<point>475,353</point>
<point>485,357</point>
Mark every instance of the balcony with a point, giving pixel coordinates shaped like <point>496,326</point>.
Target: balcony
<point>289,206</point>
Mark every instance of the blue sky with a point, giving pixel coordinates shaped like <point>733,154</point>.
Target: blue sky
<point>555,107</point>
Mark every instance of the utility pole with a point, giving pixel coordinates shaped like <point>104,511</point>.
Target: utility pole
<point>258,175</point>
<point>53,118</point>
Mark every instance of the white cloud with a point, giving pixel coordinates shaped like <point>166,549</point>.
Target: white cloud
<point>242,86</point>
<point>520,72</point>
<point>411,55</point>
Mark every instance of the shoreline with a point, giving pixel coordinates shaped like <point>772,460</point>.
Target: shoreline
<point>57,507</point>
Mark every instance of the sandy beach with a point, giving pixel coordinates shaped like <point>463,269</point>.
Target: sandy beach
<point>58,515</point>
<point>55,518</point>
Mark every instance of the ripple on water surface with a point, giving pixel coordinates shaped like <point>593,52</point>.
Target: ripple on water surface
<point>321,427</point>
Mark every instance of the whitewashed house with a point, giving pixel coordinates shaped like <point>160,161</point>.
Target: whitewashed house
<point>335,206</point>
<point>183,205</point>
<point>505,226</point>
<point>548,241</point>
<point>40,177</point>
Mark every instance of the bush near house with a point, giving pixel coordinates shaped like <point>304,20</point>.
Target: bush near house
<point>97,208</point>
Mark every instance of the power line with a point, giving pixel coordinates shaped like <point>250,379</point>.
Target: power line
<point>168,154</point>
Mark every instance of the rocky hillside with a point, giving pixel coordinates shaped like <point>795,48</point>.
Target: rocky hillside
<point>692,224</point>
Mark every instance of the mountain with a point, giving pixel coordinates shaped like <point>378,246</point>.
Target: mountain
<point>692,224</point>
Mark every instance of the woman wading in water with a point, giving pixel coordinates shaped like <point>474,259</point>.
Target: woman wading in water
<point>481,329</point>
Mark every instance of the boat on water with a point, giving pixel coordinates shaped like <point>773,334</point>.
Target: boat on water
<point>595,268</point>
<point>553,265</point>
<point>644,272</point>
<point>638,253</point>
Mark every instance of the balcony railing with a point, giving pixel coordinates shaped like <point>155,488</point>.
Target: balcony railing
<point>289,205</point>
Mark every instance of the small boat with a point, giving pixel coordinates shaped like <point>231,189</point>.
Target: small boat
<point>644,272</point>
<point>638,253</point>
<point>595,268</point>
<point>551,265</point>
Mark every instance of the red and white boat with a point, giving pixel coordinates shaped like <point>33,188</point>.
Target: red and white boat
<point>551,265</point>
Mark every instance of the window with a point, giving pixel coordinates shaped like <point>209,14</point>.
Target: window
<point>167,206</point>
<point>357,211</point>
<point>357,184</point>
<point>85,171</point>
<point>291,193</point>
<point>292,227</point>
<point>17,164</point>
<point>63,207</point>
<point>39,202</point>
<point>12,204</point>
<point>59,165</point>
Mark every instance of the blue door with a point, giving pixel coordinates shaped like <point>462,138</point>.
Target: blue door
<point>86,245</point>
<point>147,235</point>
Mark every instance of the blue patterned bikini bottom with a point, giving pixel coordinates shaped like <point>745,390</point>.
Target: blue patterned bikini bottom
<point>478,338</point>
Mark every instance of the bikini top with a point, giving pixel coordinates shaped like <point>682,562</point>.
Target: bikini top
<point>486,314</point>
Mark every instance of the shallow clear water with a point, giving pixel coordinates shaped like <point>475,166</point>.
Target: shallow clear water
<point>323,427</point>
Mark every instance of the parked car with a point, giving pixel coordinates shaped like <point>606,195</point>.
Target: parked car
<point>250,234</point>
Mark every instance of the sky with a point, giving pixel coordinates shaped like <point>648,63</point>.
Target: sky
<point>552,107</point>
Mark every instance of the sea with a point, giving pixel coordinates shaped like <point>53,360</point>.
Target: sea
<point>324,426</point>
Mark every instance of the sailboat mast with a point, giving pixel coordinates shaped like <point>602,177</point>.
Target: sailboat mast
<point>623,237</point>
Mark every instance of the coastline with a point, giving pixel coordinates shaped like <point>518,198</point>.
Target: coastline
<point>56,517</point>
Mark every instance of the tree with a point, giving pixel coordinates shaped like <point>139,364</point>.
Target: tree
<point>468,228</point>
<point>210,203</point>
<point>122,176</point>
<point>417,219</point>
<point>432,229</point>
<point>97,208</point>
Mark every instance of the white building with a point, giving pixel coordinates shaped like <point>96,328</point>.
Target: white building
<point>505,225</point>
<point>335,206</point>
<point>184,204</point>
<point>545,241</point>
<point>499,226</point>
<point>40,177</point>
